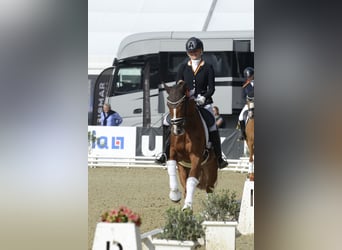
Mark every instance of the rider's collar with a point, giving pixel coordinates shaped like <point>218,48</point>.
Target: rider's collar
<point>201,63</point>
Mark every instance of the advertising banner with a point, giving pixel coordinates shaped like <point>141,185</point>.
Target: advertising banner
<point>100,92</point>
<point>130,142</point>
<point>149,141</point>
<point>112,141</point>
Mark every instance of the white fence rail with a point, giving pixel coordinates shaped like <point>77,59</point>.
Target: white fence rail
<point>237,165</point>
<point>110,161</point>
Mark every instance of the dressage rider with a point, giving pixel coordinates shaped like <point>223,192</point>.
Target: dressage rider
<point>200,79</point>
<point>199,76</point>
<point>248,90</point>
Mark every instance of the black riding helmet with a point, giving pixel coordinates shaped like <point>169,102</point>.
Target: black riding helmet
<point>193,44</point>
<point>248,72</point>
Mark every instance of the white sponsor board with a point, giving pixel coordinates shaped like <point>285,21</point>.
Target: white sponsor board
<point>113,141</point>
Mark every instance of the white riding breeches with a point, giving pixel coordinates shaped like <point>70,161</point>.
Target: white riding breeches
<point>242,111</point>
<point>209,107</point>
<point>165,122</point>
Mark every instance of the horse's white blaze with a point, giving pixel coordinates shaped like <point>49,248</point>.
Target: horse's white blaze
<point>175,130</point>
<point>174,114</point>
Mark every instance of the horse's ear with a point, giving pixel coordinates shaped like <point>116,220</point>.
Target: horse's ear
<point>167,88</point>
<point>180,82</point>
<point>184,87</point>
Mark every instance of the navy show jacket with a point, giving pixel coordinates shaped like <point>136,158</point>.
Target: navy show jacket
<point>202,80</point>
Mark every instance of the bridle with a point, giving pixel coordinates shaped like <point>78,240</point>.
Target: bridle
<point>177,122</point>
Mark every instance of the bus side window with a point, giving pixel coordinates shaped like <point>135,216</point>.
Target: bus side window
<point>220,63</point>
<point>175,61</point>
<point>154,78</point>
<point>215,61</point>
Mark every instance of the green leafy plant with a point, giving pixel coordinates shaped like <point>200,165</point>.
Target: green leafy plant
<point>91,137</point>
<point>182,225</point>
<point>221,206</point>
<point>121,215</point>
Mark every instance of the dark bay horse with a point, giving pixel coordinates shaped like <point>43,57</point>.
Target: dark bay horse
<point>250,136</point>
<point>197,166</point>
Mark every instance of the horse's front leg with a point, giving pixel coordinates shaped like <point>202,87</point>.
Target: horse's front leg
<point>183,174</point>
<point>192,182</point>
<point>251,158</point>
<point>174,195</point>
<point>251,167</point>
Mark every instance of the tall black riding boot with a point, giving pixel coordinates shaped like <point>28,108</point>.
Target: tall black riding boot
<point>214,137</point>
<point>166,136</point>
<point>243,130</point>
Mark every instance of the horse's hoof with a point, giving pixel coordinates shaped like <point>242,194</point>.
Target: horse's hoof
<point>175,195</point>
<point>187,206</point>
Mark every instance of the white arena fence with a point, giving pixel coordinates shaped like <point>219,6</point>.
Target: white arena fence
<point>138,147</point>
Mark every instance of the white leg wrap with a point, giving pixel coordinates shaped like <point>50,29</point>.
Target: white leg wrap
<point>251,167</point>
<point>191,184</point>
<point>174,195</point>
<point>171,169</point>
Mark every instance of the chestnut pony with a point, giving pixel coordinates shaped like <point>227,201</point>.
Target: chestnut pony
<point>188,143</point>
<point>250,136</point>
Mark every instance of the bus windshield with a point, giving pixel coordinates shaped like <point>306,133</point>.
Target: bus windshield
<point>129,79</point>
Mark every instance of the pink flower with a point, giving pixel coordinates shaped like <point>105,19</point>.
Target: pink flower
<point>114,212</point>
<point>122,215</point>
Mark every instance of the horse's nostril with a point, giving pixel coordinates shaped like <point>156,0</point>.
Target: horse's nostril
<point>180,131</point>
<point>177,130</point>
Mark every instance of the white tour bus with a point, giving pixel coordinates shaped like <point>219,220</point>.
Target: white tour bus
<point>134,84</point>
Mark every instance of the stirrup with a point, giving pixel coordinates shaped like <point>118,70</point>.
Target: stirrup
<point>222,163</point>
<point>161,159</point>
